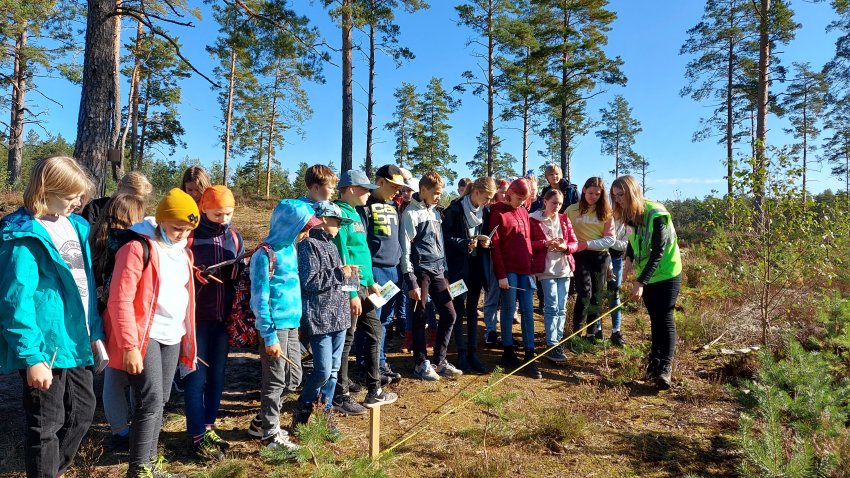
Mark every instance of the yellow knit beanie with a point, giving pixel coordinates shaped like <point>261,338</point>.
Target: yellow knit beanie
<point>178,206</point>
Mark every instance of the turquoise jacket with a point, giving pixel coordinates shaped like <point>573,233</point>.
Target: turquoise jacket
<point>41,311</point>
<point>276,303</point>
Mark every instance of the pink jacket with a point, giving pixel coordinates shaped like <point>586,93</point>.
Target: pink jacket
<point>132,302</point>
<point>539,250</point>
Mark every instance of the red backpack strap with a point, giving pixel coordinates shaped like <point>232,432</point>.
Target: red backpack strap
<point>235,239</point>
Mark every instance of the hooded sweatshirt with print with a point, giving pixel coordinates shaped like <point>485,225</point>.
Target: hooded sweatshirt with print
<point>134,295</point>
<point>41,310</point>
<point>276,302</point>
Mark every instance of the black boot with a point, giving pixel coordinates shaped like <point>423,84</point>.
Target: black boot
<point>462,363</point>
<point>509,359</point>
<point>301,415</point>
<point>475,364</point>
<point>531,369</point>
<point>664,379</point>
<point>651,369</point>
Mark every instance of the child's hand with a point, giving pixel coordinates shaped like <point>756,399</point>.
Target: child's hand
<point>473,243</point>
<point>39,376</point>
<point>415,294</point>
<point>274,351</point>
<point>503,284</point>
<point>356,307</point>
<point>483,241</point>
<point>376,288</point>
<point>347,271</point>
<point>133,362</point>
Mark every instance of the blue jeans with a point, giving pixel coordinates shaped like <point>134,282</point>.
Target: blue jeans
<point>401,302</point>
<point>526,308</point>
<point>614,291</point>
<point>492,296</point>
<point>203,387</point>
<point>385,313</point>
<point>327,358</point>
<point>554,302</point>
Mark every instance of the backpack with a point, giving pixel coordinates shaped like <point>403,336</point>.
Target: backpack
<point>116,240</point>
<point>242,324</point>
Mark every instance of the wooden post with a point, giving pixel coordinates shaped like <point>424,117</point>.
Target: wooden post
<point>374,431</point>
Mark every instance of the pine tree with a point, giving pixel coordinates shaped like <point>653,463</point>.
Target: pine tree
<point>431,152</point>
<point>619,130</point>
<point>406,121</point>
<point>805,103</point>
<point>836,147</point>
<point>572,36</point>
<point>504,164</point>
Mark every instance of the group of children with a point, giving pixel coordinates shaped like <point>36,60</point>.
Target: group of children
<point>150,297</point>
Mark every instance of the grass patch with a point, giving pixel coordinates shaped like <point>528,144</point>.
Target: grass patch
<point>226,469</point>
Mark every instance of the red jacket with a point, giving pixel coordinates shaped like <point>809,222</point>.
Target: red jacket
<point>538,237</point>
<point>511,249</point>
<point>132,302</point>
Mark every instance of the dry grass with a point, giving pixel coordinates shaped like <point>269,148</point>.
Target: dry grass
<point>591,417</point>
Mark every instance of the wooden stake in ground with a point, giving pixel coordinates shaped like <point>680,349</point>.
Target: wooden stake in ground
<point>374,431</point>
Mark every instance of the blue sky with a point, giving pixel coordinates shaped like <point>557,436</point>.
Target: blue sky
<point>647,35</point>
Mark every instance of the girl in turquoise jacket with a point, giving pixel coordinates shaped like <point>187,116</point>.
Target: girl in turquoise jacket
<point>48,313</point>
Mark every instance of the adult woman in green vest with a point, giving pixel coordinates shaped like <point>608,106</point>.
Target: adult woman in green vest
<point>653,254</point>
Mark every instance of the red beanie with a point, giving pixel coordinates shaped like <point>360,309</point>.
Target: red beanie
<point>519,187</point>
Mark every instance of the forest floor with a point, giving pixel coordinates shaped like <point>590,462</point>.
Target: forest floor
<point>592,416</point>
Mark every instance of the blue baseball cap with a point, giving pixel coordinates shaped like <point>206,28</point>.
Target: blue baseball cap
<point>355,177</point>
<point>329,209</point>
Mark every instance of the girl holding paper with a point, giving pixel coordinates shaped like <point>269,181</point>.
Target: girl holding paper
<point>465,239</point>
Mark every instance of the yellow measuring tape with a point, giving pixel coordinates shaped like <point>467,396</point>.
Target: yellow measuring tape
<point>408,436</point>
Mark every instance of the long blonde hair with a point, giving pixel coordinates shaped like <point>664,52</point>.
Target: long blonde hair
<point>121,211</point>
<point>632,212</point>
<point>603,210</point>
<point>484,183</point>
<point>136,183</point>
<point>55,175</point>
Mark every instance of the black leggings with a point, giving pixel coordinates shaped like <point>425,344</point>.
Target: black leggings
<point>467,306</point>
<point>590,284</point>
<point>660,300</point>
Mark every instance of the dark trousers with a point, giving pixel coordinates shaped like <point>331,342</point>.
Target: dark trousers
<point>204,386</point>
<point>590,282</point>
<point>434,285</point>
<point>57,419</point>
<point>660,300</point>
<point>466,307</point>
<point>369,325</point>
<point>151,390</point>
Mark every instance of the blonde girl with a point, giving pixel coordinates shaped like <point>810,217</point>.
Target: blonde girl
<point>134,183</point>
<point>195,181</point>
<point>48,315</point>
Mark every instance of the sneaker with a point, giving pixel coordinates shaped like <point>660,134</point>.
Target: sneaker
<point>345,405</point>
<point>664,379</point>
<point>386,370</point>
<point>354,387</point>
<point>448,370</point>
<point>379,397</point>
<point>145,471</point>
<point>219,441</point>
<point>426,372</point>
<point>278,440</point>
<point>617,339</point>
<point>255,429</point>
<point>158,471</point>
<point>598,335</point>
<point>557,355</point>
<point>590,338</point>
<point>492,339</point>
<point>205,449</point>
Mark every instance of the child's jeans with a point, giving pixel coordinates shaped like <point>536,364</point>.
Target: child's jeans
<point>526,308</point>
<point>115,402</point>
<point>554,302</point>
<point>327,357</point>
<point>151,390</point>
<point>204,386</point>
<point>614,291</point>
<point>57,419</point>
<point>278,378</point>
<point>435,286</point>
<point>491,297</point>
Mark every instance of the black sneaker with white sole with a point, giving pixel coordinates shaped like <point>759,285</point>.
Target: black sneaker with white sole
<point>376,398</point>
<point>345,405</point>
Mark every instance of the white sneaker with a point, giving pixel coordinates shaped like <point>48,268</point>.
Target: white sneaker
<point>281,439</point>
<point>448,370</point>
<point>425,371</point>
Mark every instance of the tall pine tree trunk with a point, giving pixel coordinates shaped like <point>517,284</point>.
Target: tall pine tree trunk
<point>491,46</point>
<point>229,115</point>
<point>347,94</point>
<point>761,115</point>
<point>370,105</point>
<point>144,122</point>
<point>95,123</point>
<point>260,163</point>
<point>272,122</point>
<point>16,123</point>
<point>135,161</point>
<point>730,78</point>
<point>805,141</point>
<point>118,164</point>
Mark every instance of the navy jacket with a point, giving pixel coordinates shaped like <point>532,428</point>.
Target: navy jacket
<point>211,244</point>
<point>461,263</point>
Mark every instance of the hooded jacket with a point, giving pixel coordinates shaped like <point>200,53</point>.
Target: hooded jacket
<point>276,303</point>
<point>132,302</point>
<point>213,243</point>
<point>41,311</point>
<point>421,241</point>
<point>326,306</point>
<point>511,249</point>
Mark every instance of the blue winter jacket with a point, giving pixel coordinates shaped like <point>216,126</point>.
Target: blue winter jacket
<point>276,303</point>
<point>41,311</point>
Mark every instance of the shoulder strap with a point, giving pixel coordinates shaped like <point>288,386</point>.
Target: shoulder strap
<point>190,240</point>
<point>270,254</point>
<point>235,239</point>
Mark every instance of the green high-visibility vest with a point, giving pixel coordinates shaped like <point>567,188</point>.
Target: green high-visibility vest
<point>641,241</point>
